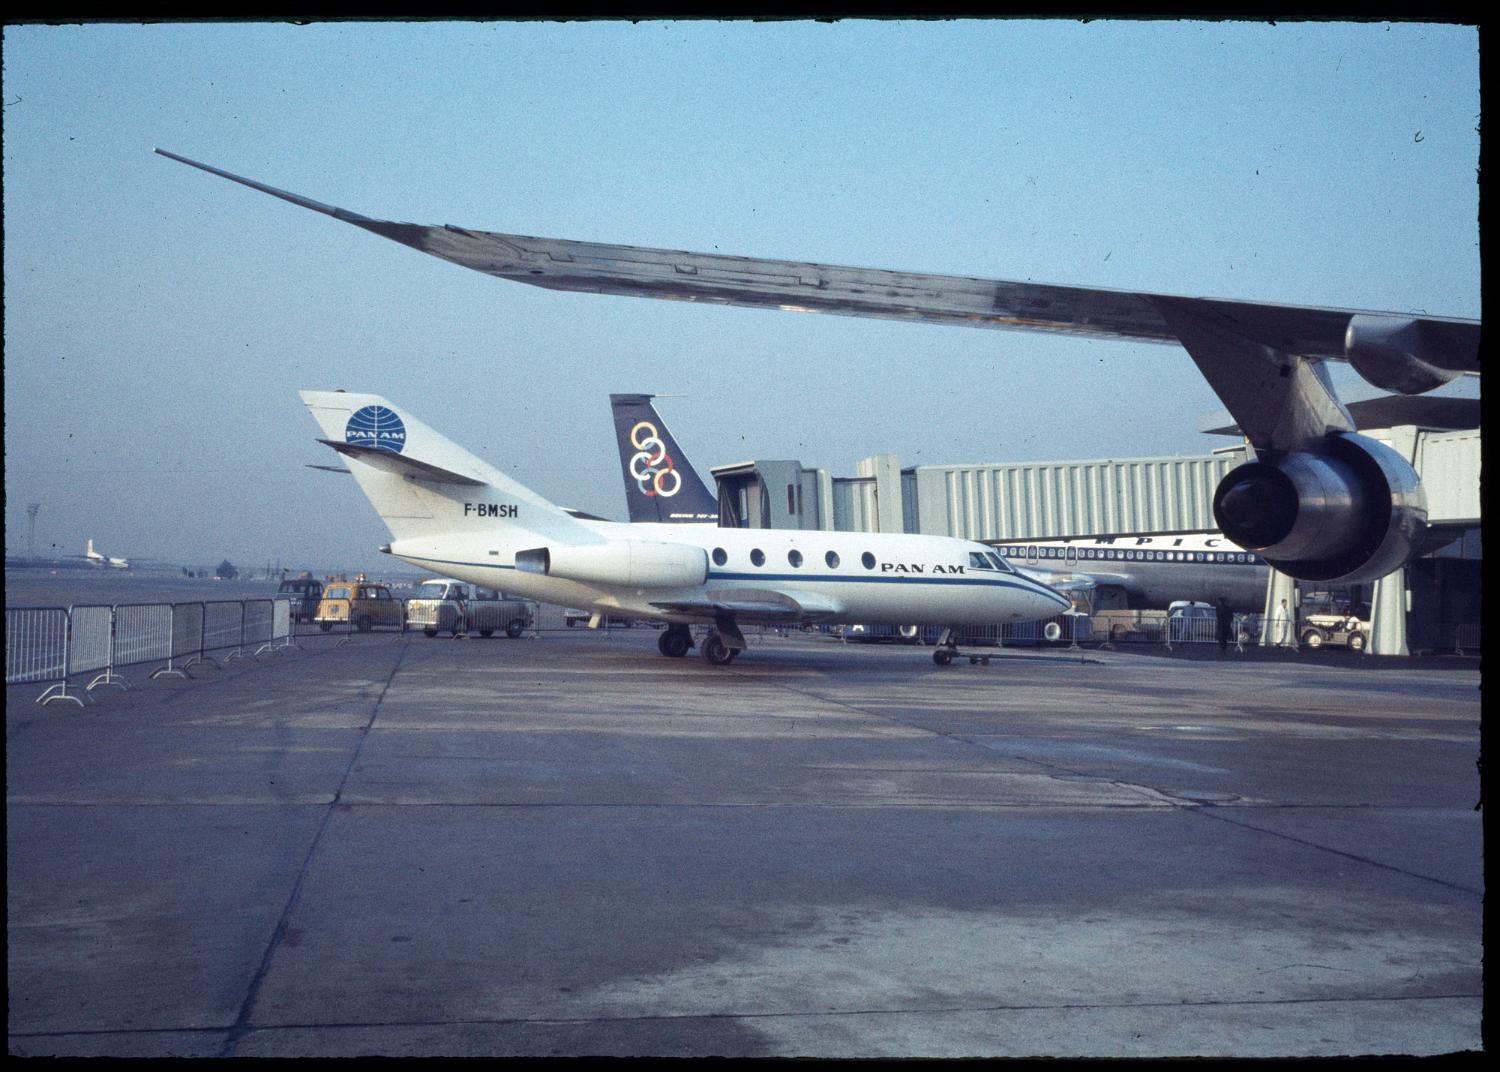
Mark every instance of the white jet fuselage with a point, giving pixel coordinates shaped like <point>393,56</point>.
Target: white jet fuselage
<point>450,512</point>
<point>841,576</point>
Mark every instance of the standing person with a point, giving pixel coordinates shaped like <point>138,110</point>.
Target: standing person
<point>1281,625</point>
<point>1225,619</point>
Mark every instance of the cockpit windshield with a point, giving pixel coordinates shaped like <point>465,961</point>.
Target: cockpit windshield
<point>1000,563</point>
<point>988,560</point>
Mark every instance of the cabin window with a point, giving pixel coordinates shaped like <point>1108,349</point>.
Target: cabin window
<point>720,557</point>
<point>794,557</point>
<point>757,557</point>
<point>832,559</point>
<point>868,560</point>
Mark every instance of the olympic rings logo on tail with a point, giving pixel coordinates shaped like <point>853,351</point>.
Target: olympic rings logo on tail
<point>651,466</point>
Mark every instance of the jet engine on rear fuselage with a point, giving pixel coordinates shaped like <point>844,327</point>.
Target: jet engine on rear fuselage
<point>1349,510</point>
<point>624,562</point>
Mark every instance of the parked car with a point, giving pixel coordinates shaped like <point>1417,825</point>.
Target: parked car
<point>360,604</point>
<point>304,594</point>
<point>442,604</point>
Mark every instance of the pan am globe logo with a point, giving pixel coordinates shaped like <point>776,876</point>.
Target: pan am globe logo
<point>378,427</point>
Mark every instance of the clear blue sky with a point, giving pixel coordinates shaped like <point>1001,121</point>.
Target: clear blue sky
<point>158,321</point>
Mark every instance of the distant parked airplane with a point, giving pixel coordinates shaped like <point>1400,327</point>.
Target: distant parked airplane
<point>96,559</point>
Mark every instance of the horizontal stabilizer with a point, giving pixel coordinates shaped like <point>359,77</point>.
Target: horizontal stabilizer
<point>390,462</point>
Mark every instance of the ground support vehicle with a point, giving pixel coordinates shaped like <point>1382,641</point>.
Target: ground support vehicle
<point>360,605</point>
<point>1316,630</point>
<point>304,593</point>
<point>443,605</point>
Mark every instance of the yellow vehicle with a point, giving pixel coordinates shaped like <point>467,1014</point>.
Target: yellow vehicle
<point>360,604</point>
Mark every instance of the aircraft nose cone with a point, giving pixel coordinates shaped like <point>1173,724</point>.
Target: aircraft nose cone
<point>1050,602</point>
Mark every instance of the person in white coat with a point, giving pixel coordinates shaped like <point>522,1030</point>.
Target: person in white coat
<point>1281,626</point>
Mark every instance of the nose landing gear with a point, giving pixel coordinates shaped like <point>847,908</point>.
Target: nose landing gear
<point>947,651</point>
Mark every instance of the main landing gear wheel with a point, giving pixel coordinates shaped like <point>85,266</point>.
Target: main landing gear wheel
<point>674,641</point>
<point>716,652</point>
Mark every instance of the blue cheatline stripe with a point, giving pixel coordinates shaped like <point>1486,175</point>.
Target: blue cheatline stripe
<point>802,578</point>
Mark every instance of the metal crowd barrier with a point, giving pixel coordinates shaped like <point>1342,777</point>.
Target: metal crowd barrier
<point>36,644</point>
<point>54,644</point>
<point>1204,629</point>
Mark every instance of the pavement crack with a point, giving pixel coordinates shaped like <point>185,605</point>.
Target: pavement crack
<point>242,1022</point>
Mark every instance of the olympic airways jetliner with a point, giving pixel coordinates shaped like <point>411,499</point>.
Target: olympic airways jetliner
<point>1135,571</point>
<point>1319,502</point>
<point>449,511</point>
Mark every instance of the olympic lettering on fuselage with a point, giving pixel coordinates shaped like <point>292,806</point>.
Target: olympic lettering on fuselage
<point>651,466</point>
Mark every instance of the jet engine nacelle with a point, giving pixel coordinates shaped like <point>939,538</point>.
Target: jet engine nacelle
<point>625,562</point>
<point>1395,354</point>
<point>1352,510</point>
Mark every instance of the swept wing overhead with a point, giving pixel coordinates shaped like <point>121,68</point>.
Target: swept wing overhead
<point>1398,351</point>
<point>1320,502</point>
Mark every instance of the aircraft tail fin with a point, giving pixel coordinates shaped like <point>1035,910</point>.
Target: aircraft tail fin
<point>660,483</point>
<point>422,484</point>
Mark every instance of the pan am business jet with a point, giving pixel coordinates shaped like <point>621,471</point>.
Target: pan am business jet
<point>450,512</point>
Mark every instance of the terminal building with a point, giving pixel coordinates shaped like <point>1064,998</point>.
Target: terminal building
<point>1430,605</point>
